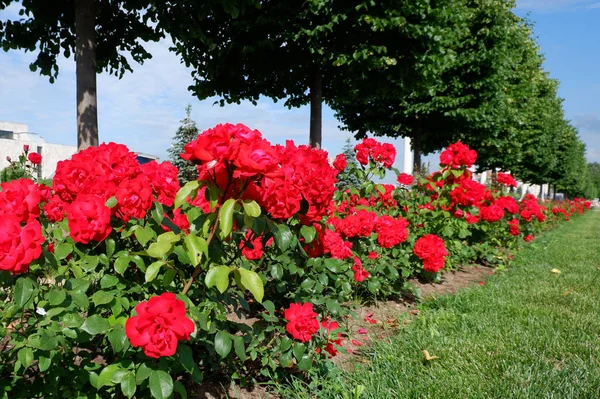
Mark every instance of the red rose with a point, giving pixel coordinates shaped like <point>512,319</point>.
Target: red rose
<point>340,162</point>
<point>390,231</point>
<point>492,213</point>
<point>20,198</point>
<point>256,157</point>
<point>134,198</point>
<point>506,179</point>
<point>252,248</point>
<point>528,238</point>
<point>405,179</point>
<point>302,321</point>
<point>160,323</point>
<point>163,179</point>
<point>360,274</point>
<point>35,158</point>
<point>89,219</point>
<point>55,209</point>
<point>431,249</point>
<point>457,155</point>
<point>19,246</point>
<point>335,245</point>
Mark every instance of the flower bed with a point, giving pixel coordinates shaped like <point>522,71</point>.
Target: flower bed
<point>117,281</point>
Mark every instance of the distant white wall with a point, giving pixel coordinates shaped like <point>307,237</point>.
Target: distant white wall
<point>51,153</point>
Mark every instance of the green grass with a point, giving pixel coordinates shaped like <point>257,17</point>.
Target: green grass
<point>528,333</point>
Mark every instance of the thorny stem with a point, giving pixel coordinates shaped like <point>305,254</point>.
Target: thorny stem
<point>198,268</point>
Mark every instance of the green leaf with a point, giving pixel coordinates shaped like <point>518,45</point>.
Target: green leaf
<point>56,297</point>
<point>226,217</point>
<point>95,325</point>
<point>122,263</point>
<point>142,373</point>
<point>283,236</point>
<point>159,249</point>
<point>195,246</point>
<point>253,283</point>
<point>305,363</point>
<point>128,386</point>
<point>62,250</point>
<point>110,246</point>
<point>44,363</point>
<point>239,348</point>
<point>223,343</point>
<point>117,338</point>
<point>105,376</point>
<point>169,237</point>
<point>308,233</point>
<point>299,349</point>
<point>111,202</point>
<point>218,276</point>
<point>23,291</point>
<point>102,297</point>
<point>81,300</point>
<point>152,270</point>
<point>108,281</point>
<point>286,359</point>
<point>251,208</point>
<point>144,235</point>
<point>185,191</point>
<point>161,384</point>
<point>180,389</point>
<point>25,356</point>
<point>186,357</point>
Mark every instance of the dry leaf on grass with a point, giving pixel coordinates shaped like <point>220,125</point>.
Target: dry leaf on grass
<point>428,357</point>
<point>556,271</point>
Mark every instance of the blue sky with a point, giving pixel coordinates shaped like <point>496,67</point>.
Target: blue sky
<point>143,109</point>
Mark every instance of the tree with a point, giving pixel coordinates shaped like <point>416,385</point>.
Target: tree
<point>449,85</point>
<point>98,33</point>
<point>301,51</point>
<point>347,178</point>
<point>594,169</point>
<point>184,135</point>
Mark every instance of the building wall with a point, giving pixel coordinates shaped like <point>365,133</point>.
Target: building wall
<point>51,153</point>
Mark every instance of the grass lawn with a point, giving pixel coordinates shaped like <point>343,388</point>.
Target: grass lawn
<point>528,333</point>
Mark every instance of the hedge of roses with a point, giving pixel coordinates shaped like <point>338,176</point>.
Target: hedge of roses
<point>118,282</point>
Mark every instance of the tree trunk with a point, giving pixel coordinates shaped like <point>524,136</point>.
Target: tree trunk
<point>416,142</point>
<point>554,193</point>
<point>316,108</point>
<point>85,60</point>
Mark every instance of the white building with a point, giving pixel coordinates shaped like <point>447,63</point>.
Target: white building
<point>13,136</point>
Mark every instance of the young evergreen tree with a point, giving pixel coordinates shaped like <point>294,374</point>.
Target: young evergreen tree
<point>185,134</point>
<point>347,178</point>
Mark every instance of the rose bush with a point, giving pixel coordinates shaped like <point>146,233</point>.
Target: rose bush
<point>118,282</point>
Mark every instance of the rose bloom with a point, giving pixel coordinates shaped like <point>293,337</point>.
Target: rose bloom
<point>35,158</point>
<point>340,162</point>
<point>159,325</point>
<point>19,246</point>
<point>21,198</point>
<point>251,246</point>
<point>89,219</point>
<point>506,179</point>
<point>431,249</point>
<point>528,238</point>
<point>405,179</point>
<point>302,321</point>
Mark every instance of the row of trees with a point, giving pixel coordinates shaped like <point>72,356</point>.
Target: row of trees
<point>434,71</point>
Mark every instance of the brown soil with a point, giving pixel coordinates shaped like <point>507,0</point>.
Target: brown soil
<point>371,322</point>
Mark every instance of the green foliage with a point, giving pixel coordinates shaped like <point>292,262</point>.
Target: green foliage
<point>499,340</point>
<point>184,135</point>
<point>120,25</point>
<point>348,178</point>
